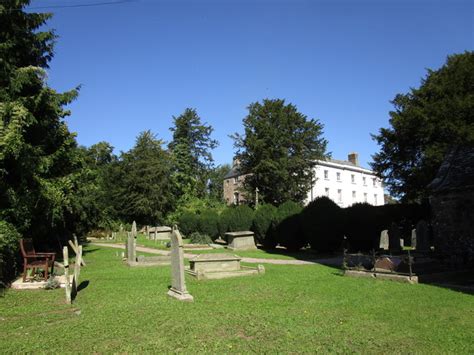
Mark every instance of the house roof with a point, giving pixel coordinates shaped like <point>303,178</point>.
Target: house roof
<point>456,171</point>
<point>235,171</point>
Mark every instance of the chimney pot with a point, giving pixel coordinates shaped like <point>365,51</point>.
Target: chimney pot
<point>353,158</point>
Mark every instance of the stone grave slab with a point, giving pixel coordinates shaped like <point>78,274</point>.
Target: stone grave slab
<point>243,240</point>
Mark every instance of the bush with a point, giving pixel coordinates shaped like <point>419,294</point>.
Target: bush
<point>236,219</point>
<point>208,223</point>
<point>264,225</point>
<point>362,227</point>
<point>9,252</point>
<point>188,223</point>
<point>321,225</point>
<point>199,238</point>
<point>288,229</point>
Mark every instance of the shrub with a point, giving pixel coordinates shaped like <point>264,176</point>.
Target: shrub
<point>208,223</point>
<point>200,238</point>
<point>9,252</point>
<point>362,227</point>
<point>188,223</point>
<point>236,219</point>
<point>264,224</point>
<point>321,225</point>
<point>288,229</point>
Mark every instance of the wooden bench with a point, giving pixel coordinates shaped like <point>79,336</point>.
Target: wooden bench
<point>33,260</point>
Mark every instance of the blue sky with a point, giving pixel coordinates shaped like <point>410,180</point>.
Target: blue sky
<point>141,62</point>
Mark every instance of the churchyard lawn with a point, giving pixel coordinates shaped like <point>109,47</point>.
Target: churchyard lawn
<point>310,308</point>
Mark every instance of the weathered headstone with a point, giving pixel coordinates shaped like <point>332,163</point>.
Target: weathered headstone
<point>131,247</point>
<point>413,238</point>
<point>422,236</point>
<point>394,238</point>
<point>178,284</point>
<point>383,240</point>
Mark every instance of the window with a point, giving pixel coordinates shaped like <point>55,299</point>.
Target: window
<point>338,176</point>
<point>326,174</point>
<point>236,180</point>
<point>374,182</point>
<point>365,196</point>
<point>326,191</point>
<point>236,198</point>
<point>353,195</point>
<point>375,198</point>
<point>339,195</point>
<point>364,181</point>
<point>353,178</point>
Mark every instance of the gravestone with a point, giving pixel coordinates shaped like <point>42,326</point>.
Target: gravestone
<point>394,238</point>
<point>413,238</point>
<point>243,240</point>
<point>383,240</point>
<point>178,283</point>
<point>131,247</point>
<point>422,236</point>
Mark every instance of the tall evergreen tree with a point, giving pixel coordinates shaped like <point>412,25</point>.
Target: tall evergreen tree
<point>37,151</point>
<point>425,124</point>
<point>191,151</point>
<point>279,148</point>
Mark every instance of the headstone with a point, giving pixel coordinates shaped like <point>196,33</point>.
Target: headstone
<point>422,236</point>
<point>383,240</point>
<point>134,229</point>
<point>413,238</point>
<point>131,247</point>
<point>394,238</point>
<point>178,284</point>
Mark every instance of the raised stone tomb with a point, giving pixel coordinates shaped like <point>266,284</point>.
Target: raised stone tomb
<point>243,240</point>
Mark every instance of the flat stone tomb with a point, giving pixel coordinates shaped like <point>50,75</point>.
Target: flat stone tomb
<point>219,266</point>
<point>144,261</point>
<point>36,285</point>
<point>243,240</point>
<point>160,233</point>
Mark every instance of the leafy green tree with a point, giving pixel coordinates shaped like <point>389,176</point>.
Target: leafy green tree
<point>191,151</point>
<point>425,124</point>
<point>140,182</point>
<point>216,182</point>
<point>280,147</point>
<point>37,151</point>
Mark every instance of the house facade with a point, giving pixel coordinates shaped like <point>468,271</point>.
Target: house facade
<point>343,181</point>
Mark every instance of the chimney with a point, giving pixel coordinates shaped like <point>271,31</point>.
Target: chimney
<point>353,158</point>
<point>235,162</point>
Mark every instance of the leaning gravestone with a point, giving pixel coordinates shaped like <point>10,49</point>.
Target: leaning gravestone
<point>413,238</point>
<point>178,284</point>
<point>394,238</point>
<point>383,240</point>
<point>422,239</point>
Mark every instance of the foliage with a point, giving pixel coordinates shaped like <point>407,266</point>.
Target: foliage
<point>288,231</point>
<point>216,180</point>
<point>321,225</point>
<point>279,147</point>
<point>194,205</point>
<point>235,219</point>
<point>37,151</point>
<point>208,223</point>
<point>9,251</point>
<point>191,152</point>
<point>188,223</point>
<point>426,122</point>
<point>140,182</point>
<point>361,227</point>
<point>200,238</point>
<point>52,283</point>
<point>264,224</point>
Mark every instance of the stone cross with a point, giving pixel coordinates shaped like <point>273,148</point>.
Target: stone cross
<point>394,238</point>
<point>422,238</point>
<point>178,284</point>
<point>383,244</point>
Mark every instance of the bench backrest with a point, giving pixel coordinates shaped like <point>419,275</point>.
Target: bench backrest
<point>27,247</point>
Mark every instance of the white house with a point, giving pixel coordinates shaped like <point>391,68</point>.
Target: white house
<point>346,183</point>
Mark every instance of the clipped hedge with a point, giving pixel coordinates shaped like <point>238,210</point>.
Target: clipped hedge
<point>188,223</point>
<point>288,231</point>
<point>264,225</point>
<point>208,223</point>
<point>321,225</point>
<point>236,219</point>
<point>9,252</point>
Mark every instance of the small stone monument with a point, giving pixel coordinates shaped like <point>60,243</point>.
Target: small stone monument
<point>413,238</point>
<point>178,284</point>
<point>394,238</point>
<point>422,239</point>
<point>243,240</point>
<point>383,244</point>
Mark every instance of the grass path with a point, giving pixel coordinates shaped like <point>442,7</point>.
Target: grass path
<point>289,309</point>
<point>335,261</point>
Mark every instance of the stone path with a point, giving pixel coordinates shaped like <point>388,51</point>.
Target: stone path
<point>335,261</point>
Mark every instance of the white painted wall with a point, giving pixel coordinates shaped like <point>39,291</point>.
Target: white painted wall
<point>349,188</point>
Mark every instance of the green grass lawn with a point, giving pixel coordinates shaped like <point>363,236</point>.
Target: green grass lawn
<point>290,309</point>
<point>262,254</point>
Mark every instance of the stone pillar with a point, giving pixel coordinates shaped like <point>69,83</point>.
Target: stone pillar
<point>178,284</point>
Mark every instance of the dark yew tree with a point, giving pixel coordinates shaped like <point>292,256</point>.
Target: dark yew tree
<point>279,148</point>
<point>191,151</point>
<point>37,151</point>
<point>425,124</point>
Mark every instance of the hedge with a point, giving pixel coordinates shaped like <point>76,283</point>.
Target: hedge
<point>263,225</point>
<point>288,231</point>
<point>9,252</point>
